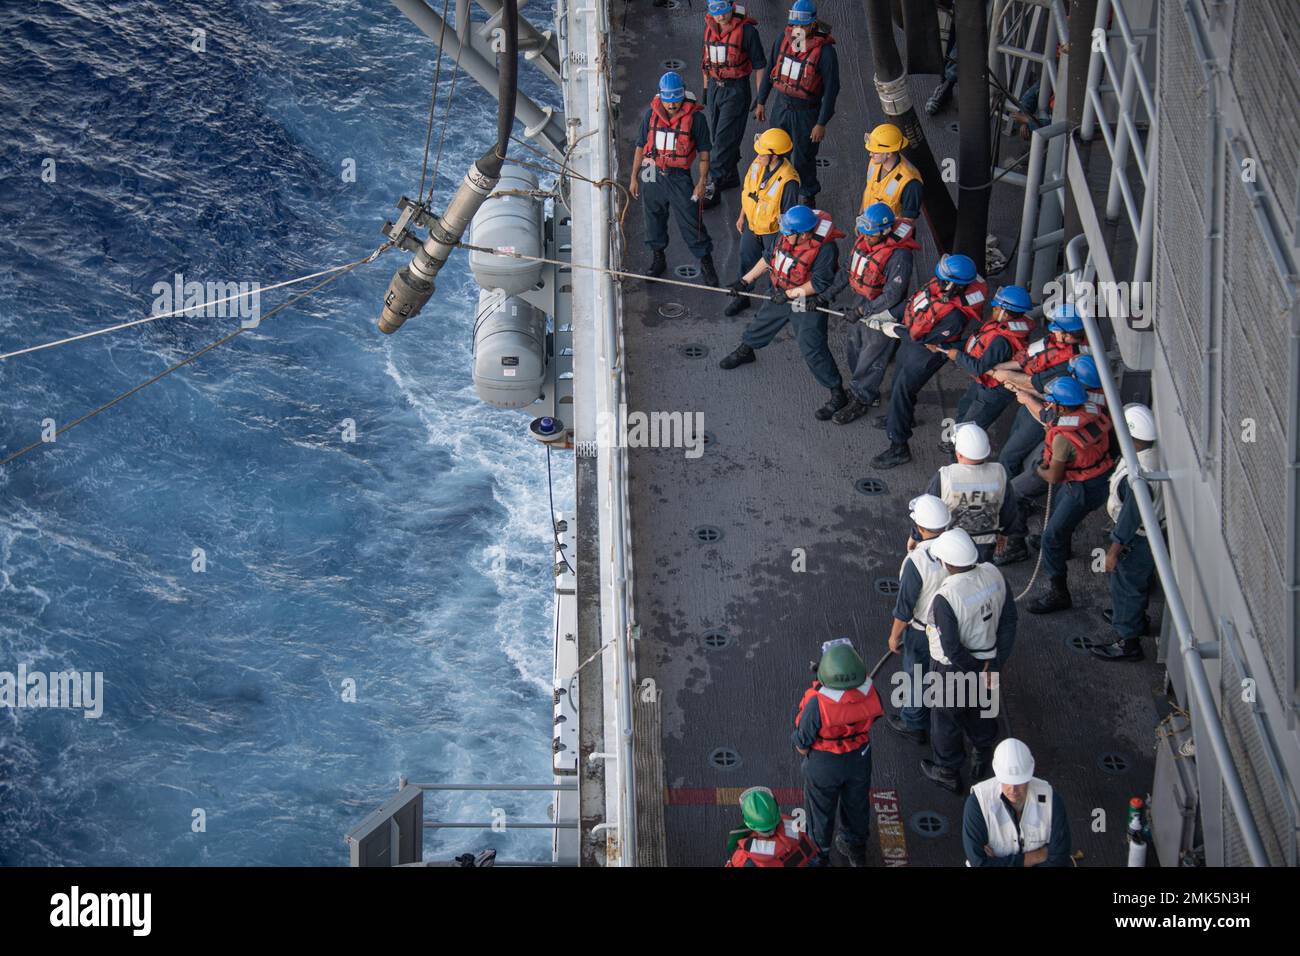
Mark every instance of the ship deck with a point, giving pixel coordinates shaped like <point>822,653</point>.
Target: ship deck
<point>727,628</point>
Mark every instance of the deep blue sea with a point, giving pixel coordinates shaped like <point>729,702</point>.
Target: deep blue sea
<point>414,561</point>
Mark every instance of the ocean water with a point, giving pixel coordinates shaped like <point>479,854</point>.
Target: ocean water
<point>414,561</point>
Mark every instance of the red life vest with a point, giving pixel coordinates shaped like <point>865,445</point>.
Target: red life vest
<point>926,309</point>
<point>846,723</point>
<point>1046,353</point>
<point>868,264</point>
<point>795,74</point>
<point>1015,330</point>
<point>670,142</point>
<point>788,846</point>
<point>1088,430</point>
<point>792,261</point>
<point>737,63</point>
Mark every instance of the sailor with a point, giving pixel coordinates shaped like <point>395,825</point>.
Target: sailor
<point>1128,559</point>
<point>919,578</point>
<point>891,179</point>
<point>803,265</point>
<point>771,188</point>
<point>1014,818</point>
<point>673,131</point>
<point>1084,368</point>
<point>833,733</point>
<point>1076,463</point>
<point>880,274</point>
<point>1004,333</point>
<point>1032,368</point>
<point>806,75</point>
<point>971,627</point>
<point>769,837</point>
<point>732,52</point>
<point>976,490</point>
<point>935,315</point>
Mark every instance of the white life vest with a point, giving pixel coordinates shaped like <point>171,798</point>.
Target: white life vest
<point>1035,830</point>
<point>976,598</point>
<point>1147,461</point>
<point>932,574</point>
<point>974,495</point>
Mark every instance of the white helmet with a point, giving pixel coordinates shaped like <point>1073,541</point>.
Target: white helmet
<point>929,512</point>
<point>972,441</point>
<point>955,547</point>
<point>1012,762</point>
<point>1141,423</point>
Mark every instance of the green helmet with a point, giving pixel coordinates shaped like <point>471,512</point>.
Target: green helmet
<point>841,668</point>
<point>759,809</point>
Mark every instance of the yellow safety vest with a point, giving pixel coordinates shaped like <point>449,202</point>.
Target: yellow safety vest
<point>761,201</point>
<point>889,190</point>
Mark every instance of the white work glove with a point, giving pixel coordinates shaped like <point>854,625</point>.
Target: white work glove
<point>884,315</point>
<point>890,329</point>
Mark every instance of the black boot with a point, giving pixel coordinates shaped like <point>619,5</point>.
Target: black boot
<point>839,398</point>
<point>1109,616</point>
<point>945,777</point>
<point>1125,649</point>
<point>712,194</point>
<point>707,271</point>
<point>1055,598</point>
<point>938,97</point>
<point>1013,553</point>
<point>892,457</point>
<point>743,355</point>
<point>895,723</point>
<point>737,305</point>
<point>658,265</point>
<point>981,765</point>
<point>856,855</point>
<point>851,412</point>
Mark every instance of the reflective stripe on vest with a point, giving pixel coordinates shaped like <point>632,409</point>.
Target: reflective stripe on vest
<point>889,189</point>
<point>1044,354</point>
<point>869,264</point>
<point>976,598</point>
<point>1015,331</point>
<point>974,496</point>
<point>761,201</point>
<point>932,573</point>
<point>787,847</point>
<point>927,309</point>
<point>1005,838</point>
<point>670,142</point>
<point>795,74</point>
<point>724,52</point>
<point>846,716</point>
<point>1088,430</point>
<point>793,257</point>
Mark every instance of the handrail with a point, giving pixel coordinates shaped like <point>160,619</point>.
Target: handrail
<point>1198,685</point>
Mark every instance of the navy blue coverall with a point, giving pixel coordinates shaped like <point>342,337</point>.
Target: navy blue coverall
<point>1130,584</point>
<point>798,117</point>
<point>948,723</point>
<point>833,781</point>
<point>867,351</point>
<point>809,326</point>
<point>670,189</point>
<point>914,367</point>
<point>916,649</point>
<point>726,104</point>
<point>979,403</point>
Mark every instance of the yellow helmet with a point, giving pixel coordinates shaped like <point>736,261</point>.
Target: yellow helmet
<point>773,142</point>
<point>885,138</point>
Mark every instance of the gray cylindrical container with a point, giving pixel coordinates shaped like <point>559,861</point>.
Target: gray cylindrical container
<point>513,221</point>
<point>509,351</point>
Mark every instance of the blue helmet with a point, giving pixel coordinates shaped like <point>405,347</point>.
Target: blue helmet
<point>671,88</point>
<point>1084,368</point>
<point>718,7</point>
<point>955,268</point>
<point>876,220</point>
<point>1065,390</point>
<point>1064,318</point>
<point>798,219</point>
<point>1013,298</point>
<point>803,13</point>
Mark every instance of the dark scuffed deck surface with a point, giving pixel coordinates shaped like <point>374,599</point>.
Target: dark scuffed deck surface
<point>775,480</point>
